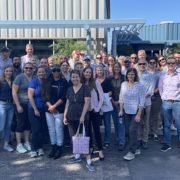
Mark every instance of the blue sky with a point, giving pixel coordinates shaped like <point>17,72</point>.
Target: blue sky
<point>153,11</point>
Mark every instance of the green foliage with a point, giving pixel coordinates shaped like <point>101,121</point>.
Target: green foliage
<point>124,50</point>
<point>172,49</point>
<point>66,46</point>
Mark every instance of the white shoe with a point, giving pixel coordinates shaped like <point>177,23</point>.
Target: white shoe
<point>27,146</point>
<point>8,148</point>
<point>33,154</point>
<point>20,148</point>
<point>137,152</point>
<point>40,152</point>
<point>129,156</point>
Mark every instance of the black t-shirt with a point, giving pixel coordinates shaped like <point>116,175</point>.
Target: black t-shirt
<point>106,85</point>
<point>76,102</point>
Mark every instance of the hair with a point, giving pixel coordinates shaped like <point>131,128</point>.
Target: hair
<point>4,69</point>
<point>136,78</point>
<point>91,82</point>
<point>119,64</point>
<point>75,72</point>
<point>98,66</point>
<point>62,62</point>
<point>29,45</point>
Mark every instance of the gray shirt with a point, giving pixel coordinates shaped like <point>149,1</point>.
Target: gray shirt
<point>23,83</point>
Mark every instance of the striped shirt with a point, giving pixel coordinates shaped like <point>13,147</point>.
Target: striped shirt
<point>132,97</point>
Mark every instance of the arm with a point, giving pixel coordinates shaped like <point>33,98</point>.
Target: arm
<point>85,108</point>
<point>31,99</point>
<point>121,101</point>
<point>16,99</point>
<point>65,112</point>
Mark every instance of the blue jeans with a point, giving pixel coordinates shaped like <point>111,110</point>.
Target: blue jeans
<point>119,127</point>
<point>107,127</point>
<point>170,110</point>
<point>6,117</point>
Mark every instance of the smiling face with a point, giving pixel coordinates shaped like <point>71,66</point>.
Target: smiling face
<point>117,68</point>
<point>8,73</point>
<point>75,79</point>
<point>88,73</point>
<point>28,69</point>
<point>142,65</point>
<point>171,64</point>
<point>100,72</point>
<point>131,76</point>
<point>41,73</point>
<point>64,67</point>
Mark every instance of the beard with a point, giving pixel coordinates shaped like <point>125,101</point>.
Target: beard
<point>17,65</point>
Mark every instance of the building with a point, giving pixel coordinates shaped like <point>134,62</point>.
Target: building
<point>51,10</point>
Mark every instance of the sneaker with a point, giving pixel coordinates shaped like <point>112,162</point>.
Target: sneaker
<point>40,152</point>
<point>33,154</point>
<point>129,156</point>
<point>156,137</point>
<point>74,160</point>
<point>144,145</point>
<point>20,149</point>
<point>27,146</point>
<point>121,147</point>
<point>137,152</point>
<point>165,148</point>
<point>173,128</point>
<point>8,148</point>
<point>90,167</point>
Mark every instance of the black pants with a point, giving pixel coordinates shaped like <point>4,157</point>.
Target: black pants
<point>94,121</point>
<point>131,127</point>
<point>37,127</point>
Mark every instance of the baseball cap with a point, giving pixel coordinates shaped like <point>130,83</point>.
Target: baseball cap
<point>56,66</point>
<point>5,49</point>
<point>87,57</point>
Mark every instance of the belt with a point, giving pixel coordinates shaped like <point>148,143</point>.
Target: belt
<point>172,101</point>
<point>7,100</point>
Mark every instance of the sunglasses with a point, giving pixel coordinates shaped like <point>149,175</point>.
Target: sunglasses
<point>142,64</point>
<point>30,68</point>
<point>152,62</point>
<point>171,63</point>
<point>161,59</point>
<point>56,70</point>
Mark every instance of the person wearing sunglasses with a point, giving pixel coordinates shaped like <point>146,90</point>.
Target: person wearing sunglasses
<point>169,88</point>
<point>162,64</point>
<point>148,81</point>
<point>155,117</point>
<point>54,96</point>
<point>177,57</point>
<point>20,96</point>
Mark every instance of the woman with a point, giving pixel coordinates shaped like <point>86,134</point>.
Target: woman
<point>6,105</point>
<point>107,90</point>
<point>20,96</point>
<point>36,112</point>
<point>65,67</point>
<point>131,99</point>
<point>116,81</point>
<point>162,64</point>
<point>110,61</point>
<point>77,106</point>
<point>95,106</point>
<point>55,93</point>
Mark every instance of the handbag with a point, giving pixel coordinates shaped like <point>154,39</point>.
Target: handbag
<point>107,104</point>
<point>80,142</point>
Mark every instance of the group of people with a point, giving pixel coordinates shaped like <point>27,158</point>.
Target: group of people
<point>41,99</point>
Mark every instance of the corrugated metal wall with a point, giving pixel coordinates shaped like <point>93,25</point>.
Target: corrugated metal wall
<point>51,10</point>
<point>161,32</point>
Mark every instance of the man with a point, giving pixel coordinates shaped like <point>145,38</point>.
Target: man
<point>149,83</point>
<point>105,58</point>
<point>133,58</point>
<point>142,54</point>
<point>86,61</point>
<point>4,59</point>
<point>75,58</point>
<point>127,64</point>
<point>169,88</point>
<point>29,55</point>
<point>177,57</point>
<point>17,65</point>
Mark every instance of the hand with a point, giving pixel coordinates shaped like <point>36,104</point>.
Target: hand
<point>52,108</point>
<point>19,109</point>
<point>120,113</point>
<point>81,120</point>
<point>37,113</point>
<point>137,118</point>
<point>65,121</point>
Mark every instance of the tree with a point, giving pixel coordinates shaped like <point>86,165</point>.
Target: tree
<point>66,46</point>
<point>172,49</point>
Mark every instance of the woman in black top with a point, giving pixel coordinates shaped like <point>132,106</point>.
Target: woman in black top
<point>107,89</point>
<point>55,96</point>
<point>6,105</point>
<point>116,81</point>
<point>76,111</point>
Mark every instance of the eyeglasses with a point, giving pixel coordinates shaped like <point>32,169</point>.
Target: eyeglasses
<point>133,57</point>
<point>161,59</point>
<point>142,64</point>
<point>30,68</point>
<point>98,57</point>
<point>171,63</point>
<point>55,70</point>
<point>152,62</point>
